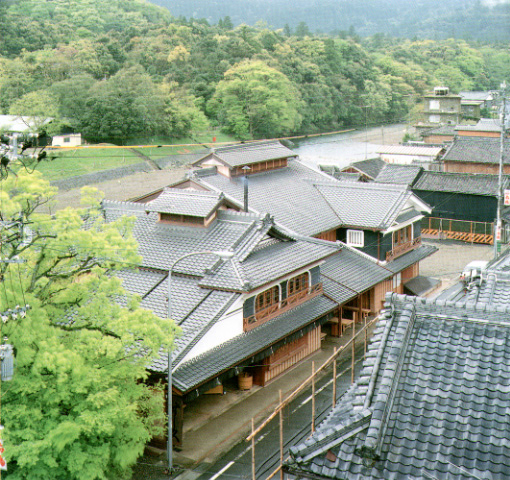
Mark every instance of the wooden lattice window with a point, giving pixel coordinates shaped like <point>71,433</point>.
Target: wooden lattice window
<point>297,284</point>
<point>267,298</point>
<point>403,235</point>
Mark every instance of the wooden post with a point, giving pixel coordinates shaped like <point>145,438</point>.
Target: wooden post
<point>281,439</point>
<point>334,377</point>
<point>365,349</point>
<point>253,450</point>
<point>353,342</point>
<point>313,396</point>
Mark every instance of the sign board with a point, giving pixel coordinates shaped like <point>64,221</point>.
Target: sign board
<point>507,197</point>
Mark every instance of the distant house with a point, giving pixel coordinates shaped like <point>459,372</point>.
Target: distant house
<point>425,156</point>
<point>431,401</point>
<point>399,174</point>
<point>464,206</point>
<point>441,107</point>
<point>439,135</point>
<point>469,154</point>
<point>486,127</point>
<point>66,140</point>
<point>367,169</point>
<point>473,102</point>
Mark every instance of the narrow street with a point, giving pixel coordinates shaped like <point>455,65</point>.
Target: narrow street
<point>237,463</point>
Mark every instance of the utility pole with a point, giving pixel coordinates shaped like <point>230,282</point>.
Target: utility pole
<point>498,228</point>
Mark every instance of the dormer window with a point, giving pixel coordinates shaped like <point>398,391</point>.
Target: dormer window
<point>186,207</point>
<point>298,284</point>
<point>267,299</point>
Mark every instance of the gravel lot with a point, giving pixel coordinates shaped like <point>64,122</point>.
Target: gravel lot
<point>447,263</point>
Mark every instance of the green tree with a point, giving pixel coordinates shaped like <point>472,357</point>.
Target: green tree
<point>77,407</point>
<point>42,106</point>
<point>255,100</point>
<point>126,105</point>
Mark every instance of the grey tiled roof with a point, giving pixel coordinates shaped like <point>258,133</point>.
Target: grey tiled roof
<point>310,202</point>
<point>442,130</point>
<point>195,371</point>
<point>476,95</point>
<point>421,285</point>
<point>410,258</point>
<point>185,202</point>
<point>366,205</point>
<point>348,269</point>
<point>479,184</point>
<point>370,167</point>
<point>430,402</point>
<point>476,150</point>
<point>347,177</point>
<point>288,193</point>
<point>248,153</point>
<point>202,286</point>
<point>399,174</point>
<point>483,125</point>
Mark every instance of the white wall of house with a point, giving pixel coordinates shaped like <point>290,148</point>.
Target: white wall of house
<point>227,327</point>
<point>70,140</point>
<point>406,159</point>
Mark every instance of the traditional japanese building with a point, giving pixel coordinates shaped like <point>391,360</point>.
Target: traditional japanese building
<point>431,401</point>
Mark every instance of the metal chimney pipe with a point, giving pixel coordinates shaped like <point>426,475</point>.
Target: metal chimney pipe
<point>245,182</point>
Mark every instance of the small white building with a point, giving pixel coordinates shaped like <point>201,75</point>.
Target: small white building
<point>67,140</point>
<point>409,154</point>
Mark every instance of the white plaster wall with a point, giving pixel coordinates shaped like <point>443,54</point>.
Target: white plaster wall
<point>229,326</point>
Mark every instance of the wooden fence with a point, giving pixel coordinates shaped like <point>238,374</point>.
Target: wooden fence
<point>472,232</point>
<point>361,333</point>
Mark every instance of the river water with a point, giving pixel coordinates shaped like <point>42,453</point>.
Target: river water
<point>343,148</point>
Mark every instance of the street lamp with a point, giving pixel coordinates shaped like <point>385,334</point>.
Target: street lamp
<point>224,255</point>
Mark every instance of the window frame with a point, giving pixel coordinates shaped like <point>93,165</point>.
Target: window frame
<point>354,233</point>
<point>267,298</point>
<point>299,283</point>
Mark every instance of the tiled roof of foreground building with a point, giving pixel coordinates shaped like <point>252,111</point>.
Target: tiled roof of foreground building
<point>431,402</point>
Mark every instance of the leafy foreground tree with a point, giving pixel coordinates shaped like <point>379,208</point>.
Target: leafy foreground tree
<point>77,407</point>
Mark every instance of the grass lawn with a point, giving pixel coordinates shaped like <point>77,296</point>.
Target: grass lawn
<point>183,145</point>
<point>78,161</point>
<point>71,162</point>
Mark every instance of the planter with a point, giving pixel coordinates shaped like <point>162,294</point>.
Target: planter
<point>245,381</point>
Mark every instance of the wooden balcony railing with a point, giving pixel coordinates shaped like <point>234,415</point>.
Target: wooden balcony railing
<point>272,311</point>
<point>403,248</point>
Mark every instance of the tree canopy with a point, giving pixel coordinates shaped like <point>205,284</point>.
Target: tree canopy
<point>126,69</point>
<point>255,100</point>
<point>77,406</point>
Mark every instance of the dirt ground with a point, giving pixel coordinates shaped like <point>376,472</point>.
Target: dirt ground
<point>127,187</point>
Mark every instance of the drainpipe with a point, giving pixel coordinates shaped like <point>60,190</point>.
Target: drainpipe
<point>245,182</point>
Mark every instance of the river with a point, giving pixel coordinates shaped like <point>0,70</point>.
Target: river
<point>343,148</point>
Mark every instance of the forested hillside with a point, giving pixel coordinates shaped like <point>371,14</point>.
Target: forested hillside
<point>127,69</point>
<point>486,20</point>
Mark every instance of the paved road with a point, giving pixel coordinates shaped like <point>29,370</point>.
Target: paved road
<point>237,463</point>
